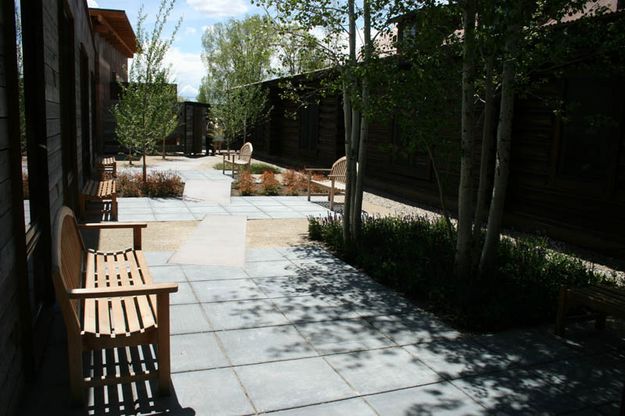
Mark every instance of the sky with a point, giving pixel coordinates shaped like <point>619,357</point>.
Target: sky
<point>185,56</point>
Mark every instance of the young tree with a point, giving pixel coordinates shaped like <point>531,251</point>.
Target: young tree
<point>237,55</point>
<point>147,110</point>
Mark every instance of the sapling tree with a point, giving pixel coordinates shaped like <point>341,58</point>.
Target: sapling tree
<point>147,109</point>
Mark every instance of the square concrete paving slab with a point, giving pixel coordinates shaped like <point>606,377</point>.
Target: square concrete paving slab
<point>370,303</point>
<point>278,287</point>
<point>178,216</point>
<point>516,392</point>
<point>442,399</point>
<point>331,337</point>
<point>258,345</point>
<point>257,216</point>
<point>206,210</point>
<point>268,202</point>
<point>171,273</point>
<point>217,240</point>
<point>526,347</point>
<point>243,314</point>
<point>288,384</point>
<point>212,392</point>
<point>226,290</point>
<point>171,210</point>
<point>196,352</point>
<point>593,380</point>
<point>185,319</point>
<point>157,258</point>
<point>242,209</point>
<point>349,407</point>
<point>263,254</point>
<point>306,252</point>
<point>413,328</point>
<point>458,357</point>
<point>271,268</point>
<point>382,370</point>
<point>198,273</point>
<point>313,308</point>
<point>183,295</point>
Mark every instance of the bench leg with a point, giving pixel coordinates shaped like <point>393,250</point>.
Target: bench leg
<point>82,206</point>
<point>114,207</point>
<point>164,364</point>
<point>309,179</point>
<point>76,380</point>
<point>331,196</point>
<point>563,307</point>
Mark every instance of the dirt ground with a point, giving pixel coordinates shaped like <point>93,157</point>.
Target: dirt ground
<point>277,233</point>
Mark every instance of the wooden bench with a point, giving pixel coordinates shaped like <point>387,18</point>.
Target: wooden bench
<point>239,159</point>
<point>98,191</point>
<point>108,300</point>
<point>602,301</point>
<point>335,184</point>
<point>106,167</point>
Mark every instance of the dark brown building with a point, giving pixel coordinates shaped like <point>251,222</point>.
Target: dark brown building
<point>70,58</point>
<point>567,175</point>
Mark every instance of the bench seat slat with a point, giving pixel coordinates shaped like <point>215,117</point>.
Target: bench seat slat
<point>104,318</point>
<point>130,308</point>
<point>90,306</point>
<point>145,307</point>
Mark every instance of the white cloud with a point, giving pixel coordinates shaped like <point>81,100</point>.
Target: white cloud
<point>188,92</point>
<point>220,8</point>
<point>187,69</point>
<point>190,30</point>
<point>92,3</point>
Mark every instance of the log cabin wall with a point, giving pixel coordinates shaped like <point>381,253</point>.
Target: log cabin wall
<point>571,188</point>
<point>115,43</point>
<point>14,319</point>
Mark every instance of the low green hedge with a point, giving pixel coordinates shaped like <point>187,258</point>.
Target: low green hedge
<point>415,256</point>
<point>256,168</point>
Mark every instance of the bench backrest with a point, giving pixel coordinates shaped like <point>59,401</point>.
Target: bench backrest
<point>339,169</point>
<point>68,256</point>
<point>245,154</point>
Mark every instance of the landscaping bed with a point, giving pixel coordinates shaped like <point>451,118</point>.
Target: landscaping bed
<point>268,183</point>
<point>415,256</point>
<point>159,184</point>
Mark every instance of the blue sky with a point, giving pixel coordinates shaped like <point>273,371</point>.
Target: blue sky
<point>197,15</point>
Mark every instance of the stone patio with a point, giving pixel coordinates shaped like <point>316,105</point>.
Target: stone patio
<point>296,331</point>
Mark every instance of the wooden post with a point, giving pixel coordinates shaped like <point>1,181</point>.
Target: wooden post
<point>164,364</point>
<point>562,310</point>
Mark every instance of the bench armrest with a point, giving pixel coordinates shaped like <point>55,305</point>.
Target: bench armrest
<point>122,291</point>
<point>136,229</point>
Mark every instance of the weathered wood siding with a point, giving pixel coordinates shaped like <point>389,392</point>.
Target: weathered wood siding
<point>111,68</point>
<point>12,259</point>
<point>589,214</point>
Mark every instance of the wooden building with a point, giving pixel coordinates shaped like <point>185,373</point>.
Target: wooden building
<point>70,58</point>
<point>567,176</point>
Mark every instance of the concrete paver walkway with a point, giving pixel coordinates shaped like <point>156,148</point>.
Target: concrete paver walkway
<point>293,331</point>
<point>297,332</point>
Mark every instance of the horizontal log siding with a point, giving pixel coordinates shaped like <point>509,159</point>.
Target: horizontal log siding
<point>11,354</point>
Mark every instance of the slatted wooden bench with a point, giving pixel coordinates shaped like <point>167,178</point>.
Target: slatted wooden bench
<point>240,159</point>
<point>98,191</point>
<point>602,301</point>
<point>108,300</point>
<point>106,167</point>
<point>335,183</point>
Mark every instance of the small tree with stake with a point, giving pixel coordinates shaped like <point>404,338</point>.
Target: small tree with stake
<point>146,111</point>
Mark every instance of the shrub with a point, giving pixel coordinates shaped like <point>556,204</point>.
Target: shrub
<point>294,182</point>
<point>158,185</point>
<point>415,256</point>
<point>269,183</point>
<point>245,183</point>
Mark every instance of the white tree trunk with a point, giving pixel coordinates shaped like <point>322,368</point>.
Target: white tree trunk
<point>465,191</point>
<point>504,142</point>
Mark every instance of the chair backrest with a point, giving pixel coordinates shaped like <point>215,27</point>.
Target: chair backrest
<point>245,154</point>
<point>339,170</point>
<point>67,261</point>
